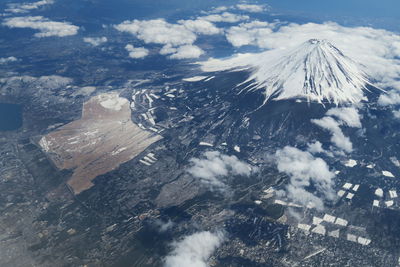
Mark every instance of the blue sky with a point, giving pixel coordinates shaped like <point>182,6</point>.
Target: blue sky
<point>359,8</point>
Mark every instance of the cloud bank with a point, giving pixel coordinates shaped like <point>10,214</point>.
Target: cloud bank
<point>213,166</point>
<point>45,26</point>
<point>194,250</point>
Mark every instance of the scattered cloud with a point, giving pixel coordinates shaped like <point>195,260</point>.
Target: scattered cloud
<point>158,31</point>
<point>348,116</point>
<point>167,50</point>
<point>396,114</point>
<point>181,52</point>
<point>136,52</point>
<point>391,98</point>
<point>45,26</point>
<point>225,17</point>
<point>251,8</point>
<point>194,250</point>
<point>5,60</point>
<point>305,170</point>
<point>95,41</point>
<point>219,9</point>
<point>338,138</point>
<point>26,7</point>
<point>187,51</point>
<point>177,38</point>
<point>315,147</point>
<point>200,26</point>
<point>163,226</point>
<point>251,33</point>
<point>213,166</point>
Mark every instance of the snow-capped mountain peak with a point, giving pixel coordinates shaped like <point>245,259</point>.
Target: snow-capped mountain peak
<point>315,70</point>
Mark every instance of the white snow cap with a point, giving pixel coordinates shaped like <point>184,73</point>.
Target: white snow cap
<point>316,70</point>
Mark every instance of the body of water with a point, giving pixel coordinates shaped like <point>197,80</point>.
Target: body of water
<point>10,117</point>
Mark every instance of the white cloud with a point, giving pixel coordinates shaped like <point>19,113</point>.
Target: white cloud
<point>194,250</point>
<point>304,170</point>
<point>26,7</point>
<point>187,51</point>
<point>167,50</point>
<point>136,52</point>
<point>391,98</point>
<point>225,17</point>
<point>158,31</point>
<point>5,60</point>
<point>177,39</point>
<point>213,166</point>
<point>219,9</point>
<point>163,226</point>
<point>252,33</point>
<point>315,147</point>
<point>348,116</point>
<point>251,8</point>
<point>95,41</point>
<point>45,26</point>
<point>182,52</point>
<point>200,26</point>
<point>396,114</point>
<point>338,138</point>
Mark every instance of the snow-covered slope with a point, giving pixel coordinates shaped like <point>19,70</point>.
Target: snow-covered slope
<point>315,70</point>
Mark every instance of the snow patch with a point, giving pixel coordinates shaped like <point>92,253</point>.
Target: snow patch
<point>388,174</point>
<point>350,163</point>
<point>194,79</point>
<point>379,192</point>
<point>112,101</point>
<point>315,70</point>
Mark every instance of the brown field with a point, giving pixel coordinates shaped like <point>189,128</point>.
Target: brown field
<point>104,138</point>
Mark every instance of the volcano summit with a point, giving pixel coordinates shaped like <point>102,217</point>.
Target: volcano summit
<point>316,70</point>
